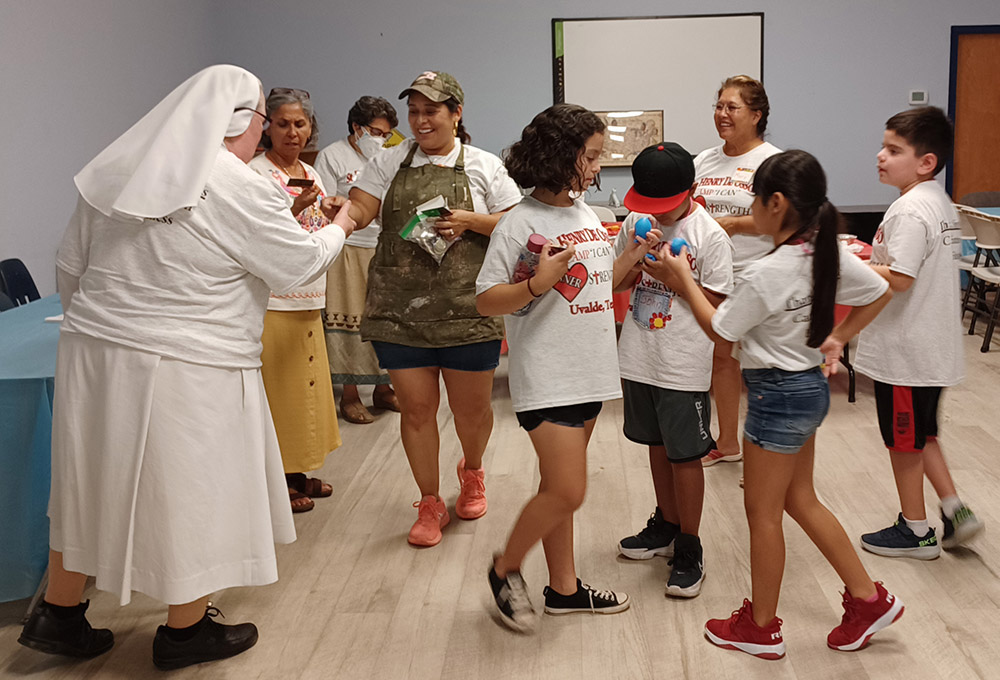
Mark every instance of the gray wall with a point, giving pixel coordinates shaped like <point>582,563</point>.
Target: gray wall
<point>77,74</point>
<point>74,75</point>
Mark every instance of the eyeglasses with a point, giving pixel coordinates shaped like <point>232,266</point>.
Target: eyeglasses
<point>728,108</point>
<point>375,132</point>
<point>301,94</point>
<point>267,119</point>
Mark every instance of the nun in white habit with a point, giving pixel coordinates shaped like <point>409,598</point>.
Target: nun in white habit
<point>166,474</point>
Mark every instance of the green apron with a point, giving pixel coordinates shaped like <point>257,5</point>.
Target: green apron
<point>411,299</point>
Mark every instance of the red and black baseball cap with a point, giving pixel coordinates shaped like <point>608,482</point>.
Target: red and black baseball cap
<point>662,176</point>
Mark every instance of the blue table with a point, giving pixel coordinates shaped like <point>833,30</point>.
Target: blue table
<point>27,366</point>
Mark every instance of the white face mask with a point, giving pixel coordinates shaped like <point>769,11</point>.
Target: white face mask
<point>369,144</point>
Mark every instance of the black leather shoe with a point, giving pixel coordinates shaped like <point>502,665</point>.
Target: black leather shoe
<point>212,641</point>
<point>71,636</point>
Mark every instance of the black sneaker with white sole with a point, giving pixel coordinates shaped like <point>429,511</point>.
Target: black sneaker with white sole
<point>585,599</point>
<point>511,597</point>
<point>688,567</point>
<point>656,539</point>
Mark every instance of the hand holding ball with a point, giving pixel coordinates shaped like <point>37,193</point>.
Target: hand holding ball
<point>675,245</point>
<point>642,227</point>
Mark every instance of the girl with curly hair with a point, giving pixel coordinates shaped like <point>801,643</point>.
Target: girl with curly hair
<point>556,396</point>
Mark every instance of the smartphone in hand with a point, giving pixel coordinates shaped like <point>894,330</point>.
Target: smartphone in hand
<point>296,182</point>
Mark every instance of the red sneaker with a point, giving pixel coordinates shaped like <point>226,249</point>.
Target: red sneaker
<point>471,503</point>
<point>432,516</point>
<point>740,632</point>
<point>864,619</point>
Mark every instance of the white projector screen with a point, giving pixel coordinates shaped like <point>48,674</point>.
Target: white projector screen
<point>673,64</point>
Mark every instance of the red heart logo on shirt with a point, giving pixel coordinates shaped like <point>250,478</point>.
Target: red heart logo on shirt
<point>570,285</point>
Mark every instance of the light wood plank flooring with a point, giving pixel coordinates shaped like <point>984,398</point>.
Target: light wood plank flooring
<point>355,601</point>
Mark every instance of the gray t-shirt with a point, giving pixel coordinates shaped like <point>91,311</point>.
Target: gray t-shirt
<point>562,351</point>
<point>769,311</point>
<point>661,342</point>
<point>917,339</point>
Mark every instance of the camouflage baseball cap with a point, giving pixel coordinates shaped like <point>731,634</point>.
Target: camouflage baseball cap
<point>437,86</point>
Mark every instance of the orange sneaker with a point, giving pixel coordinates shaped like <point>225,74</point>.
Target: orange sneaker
<point>432,517</point>
<point>471,503</point>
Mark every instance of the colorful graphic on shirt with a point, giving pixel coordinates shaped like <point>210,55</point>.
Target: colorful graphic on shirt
<point>572,282</point>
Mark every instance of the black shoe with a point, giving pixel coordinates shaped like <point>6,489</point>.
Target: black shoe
<point>688,567</point>
<point>899,541</point>
<point>585,599</point>
<point>70,635</point>
<point>513,603</point>
<point>656,539</point>
<point>212,641</point>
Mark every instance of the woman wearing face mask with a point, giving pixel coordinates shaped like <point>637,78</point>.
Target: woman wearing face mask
<point>352,362</point>
<point>294,362</point>
<point>420,315</point>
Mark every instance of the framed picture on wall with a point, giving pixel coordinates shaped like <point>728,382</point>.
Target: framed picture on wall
<point>627,133</point>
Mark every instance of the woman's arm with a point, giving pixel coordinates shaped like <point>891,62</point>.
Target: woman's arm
<point>856,319</point>
<point>507,298</point>
<point>363,207</point>
<point>67,284</point>
<point>465,220</point>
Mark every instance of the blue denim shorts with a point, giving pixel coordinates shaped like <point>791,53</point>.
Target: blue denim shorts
<point>784,408</point>
<point>478,356</point>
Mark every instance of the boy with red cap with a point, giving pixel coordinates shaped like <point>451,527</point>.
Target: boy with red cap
<point>666,358</point>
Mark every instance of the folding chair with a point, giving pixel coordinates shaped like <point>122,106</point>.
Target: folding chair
<point>17,282</point>
<point>984,275</point>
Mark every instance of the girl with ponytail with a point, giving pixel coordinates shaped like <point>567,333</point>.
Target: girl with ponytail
<point>782,313</point>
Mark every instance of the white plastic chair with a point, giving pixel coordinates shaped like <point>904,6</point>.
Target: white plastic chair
<point>985,273</point>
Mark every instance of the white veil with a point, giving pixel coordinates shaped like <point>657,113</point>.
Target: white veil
<point>162,163</point>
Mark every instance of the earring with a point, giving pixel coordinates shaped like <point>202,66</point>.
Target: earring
<point>454,130</point>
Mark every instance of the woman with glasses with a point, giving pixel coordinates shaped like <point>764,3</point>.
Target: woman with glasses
<point>420,315</point>
<point>370,123</point>
<point>166,474</point>
<point>724,178</point>
<point>294,364</point>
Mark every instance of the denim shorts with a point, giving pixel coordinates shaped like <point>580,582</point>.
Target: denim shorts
<point>478,356</point>
<point>784,408</point>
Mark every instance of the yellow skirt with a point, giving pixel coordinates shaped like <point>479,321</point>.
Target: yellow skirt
<point>297,381</point>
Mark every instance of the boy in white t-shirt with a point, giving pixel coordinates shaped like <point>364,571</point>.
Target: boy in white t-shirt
<point>913,349</point>
<point>666,358</point>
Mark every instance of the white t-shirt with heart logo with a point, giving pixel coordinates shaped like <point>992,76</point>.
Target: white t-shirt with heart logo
<point>563,350</point>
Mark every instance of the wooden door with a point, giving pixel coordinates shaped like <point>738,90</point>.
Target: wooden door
<point>975,106</point>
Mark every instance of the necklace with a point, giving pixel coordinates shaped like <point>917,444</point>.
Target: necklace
<point>287,171</point>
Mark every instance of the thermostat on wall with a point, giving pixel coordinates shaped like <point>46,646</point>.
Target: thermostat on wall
<point>918,97</point>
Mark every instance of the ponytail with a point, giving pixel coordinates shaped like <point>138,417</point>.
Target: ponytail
<point>800,178</point>
<point>826,271</point>
<point>460,130</point>
<point>461,133</point>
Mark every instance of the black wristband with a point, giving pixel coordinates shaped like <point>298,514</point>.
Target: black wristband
<point>531,291</point>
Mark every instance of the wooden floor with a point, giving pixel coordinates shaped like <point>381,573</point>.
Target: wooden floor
<point>354,600</point>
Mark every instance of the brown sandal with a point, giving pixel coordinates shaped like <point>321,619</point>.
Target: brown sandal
<point>355,412</point>
<point>294,496</point>
<point>386,402</point>
<point>309,486</point>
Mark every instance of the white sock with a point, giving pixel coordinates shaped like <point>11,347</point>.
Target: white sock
<point>919,527</point>
<point>950,505</point>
